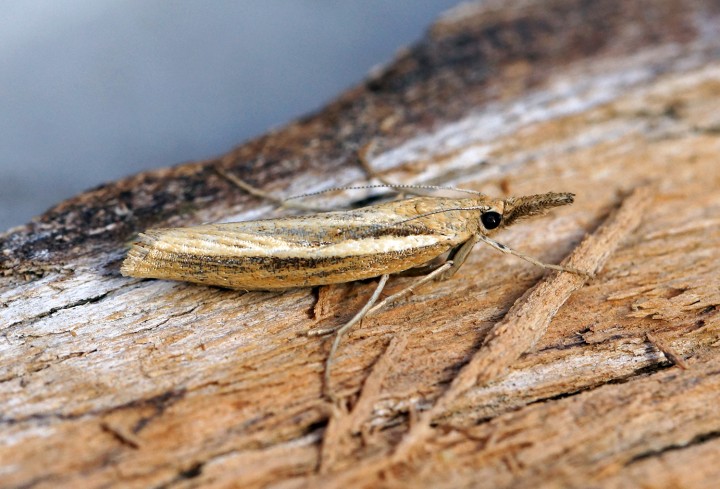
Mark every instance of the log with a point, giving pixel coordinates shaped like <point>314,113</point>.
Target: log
<point>502,376</point>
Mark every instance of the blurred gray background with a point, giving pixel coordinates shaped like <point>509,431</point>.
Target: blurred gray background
<point>91,91</point>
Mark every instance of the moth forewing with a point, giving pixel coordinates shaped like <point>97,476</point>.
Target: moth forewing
<point>310,250</point>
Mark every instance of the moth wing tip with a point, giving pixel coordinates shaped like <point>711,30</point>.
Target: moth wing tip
<point>134,258</point>
<point>137,254</point>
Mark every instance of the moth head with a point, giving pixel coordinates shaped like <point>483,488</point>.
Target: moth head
<point>515,208</point>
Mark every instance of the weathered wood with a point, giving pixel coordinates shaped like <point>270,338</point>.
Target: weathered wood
<point>112,381</point>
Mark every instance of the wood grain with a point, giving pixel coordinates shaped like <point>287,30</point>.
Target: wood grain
<point>109,381</point>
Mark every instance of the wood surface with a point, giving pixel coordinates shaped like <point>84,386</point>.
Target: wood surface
<point>502,376</point>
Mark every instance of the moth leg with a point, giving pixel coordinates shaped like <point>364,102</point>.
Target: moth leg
<point>261,194</point>
<point>364,160</point>
<point>422,270</point>
<point>344,329</point>
<point>506,249</point>
<point>397,295</point>
<point>443,271</point>
<point>458,256</point>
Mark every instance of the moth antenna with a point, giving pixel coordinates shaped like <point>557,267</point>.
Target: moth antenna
<point>363,187</point>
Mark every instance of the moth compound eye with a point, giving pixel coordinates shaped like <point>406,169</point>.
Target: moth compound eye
<point>491,219</point>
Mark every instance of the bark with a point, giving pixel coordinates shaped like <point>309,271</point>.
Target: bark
<point>502,376</point>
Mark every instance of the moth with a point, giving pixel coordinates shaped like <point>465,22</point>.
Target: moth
<point>335,247</point>
<point>332,247</point>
